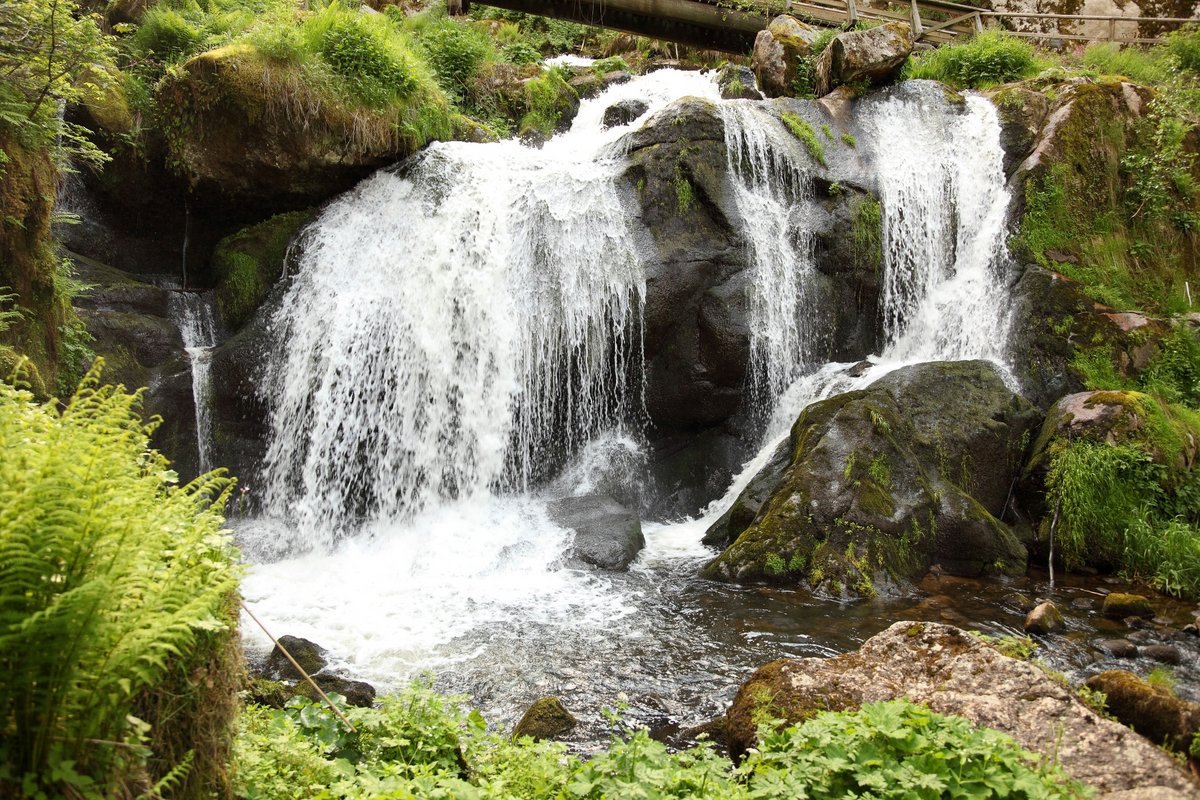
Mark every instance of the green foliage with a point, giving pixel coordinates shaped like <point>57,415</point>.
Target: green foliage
<point>1021,648</point>
<point>685,194</point>
<point>365,51</point>
<point>547,98</point>
<point>898,750</point>
<point>989,58</point>
<point>805,82</point>
<point>868,234</point>
<point>456,52</point>
<point>50,50</point>
<point>1109,58</point>
<point>849,140</point>
<point>805,133</point>
<point>1184,46</point>
<point>422,745</point>
<point>108,574</point>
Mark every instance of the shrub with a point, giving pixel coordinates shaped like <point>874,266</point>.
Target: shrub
<point>165,33</point>
<point>365,51</point>
<point>989,58</point>
<point>108,575</point>
<point>420,744</point>
<point>455,51</point>
<point>1144,66</point>
<point>1184,45</point>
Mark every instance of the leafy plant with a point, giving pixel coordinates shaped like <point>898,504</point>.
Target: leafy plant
<point>991,57</point>
<point>108,574</point>
<point>805,133</point>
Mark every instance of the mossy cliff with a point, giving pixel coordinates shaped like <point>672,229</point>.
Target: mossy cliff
<point>47,331</point>
<point>243,126</point>
<point>885,482</point>
<point>248,264</point>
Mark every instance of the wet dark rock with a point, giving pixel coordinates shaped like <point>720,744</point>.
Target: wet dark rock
<point>1119,648</point>
<point>273,694</point>
<point>547,718</point>
<point>868,56</point>
<point>607,535</point>
<point>778,51</point>
<point>952,672</point>
<point>874,493</point>
<point>1119,605</point>
<point>623,112</point>
<point>1152,711</point>
<point>1022,113</point>
<point>1044,619</point>
<point>309,655</point>
<point>357,693</point>
<point>1083,603</point>
<point>737,82</point>
<point>1191,629</point>
<point>1022,602</point>
<point>240,414</point>
<point>1163,653</point>
<point>745,508</point>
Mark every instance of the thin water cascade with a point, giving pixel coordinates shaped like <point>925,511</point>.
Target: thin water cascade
<point>774,196</point>
<point>193,313</point>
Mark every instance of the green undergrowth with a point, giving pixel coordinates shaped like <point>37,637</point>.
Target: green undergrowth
<point>419,744</point>
<point>117,635</point>
<point>806,134</point>
<point>805,82</point>
<point>987,59</point>
<point>1133,505</point>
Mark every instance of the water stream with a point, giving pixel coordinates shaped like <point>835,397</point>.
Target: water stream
<point>193,313</point>
<point>425,389</point>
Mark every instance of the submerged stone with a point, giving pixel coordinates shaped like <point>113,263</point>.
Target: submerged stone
<point>1119,605</point>
<point>607,535</point>
<point>1045,618</point>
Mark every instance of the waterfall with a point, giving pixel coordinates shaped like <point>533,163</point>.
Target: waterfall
<point>193,313</point>
<point>774,197</point>
<point>458,325</point>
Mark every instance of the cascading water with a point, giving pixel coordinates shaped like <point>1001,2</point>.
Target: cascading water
<point>774,197</point>
<point>464,323</point>
<point>501,338</point>
<point>193,313</point>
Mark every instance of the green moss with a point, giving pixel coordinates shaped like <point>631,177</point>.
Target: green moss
<point>548,98</point>
<point>685,193</point>
<point>849,140</point>
<point>249,262</point>
<point>805,133</point>
<point>867,235</point>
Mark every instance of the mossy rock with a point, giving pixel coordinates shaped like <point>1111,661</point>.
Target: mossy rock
<point>18,370</point>
<point>547,718</point>
<point>265,692</point>
<point>1153,711</point>
<point>886,482</point>
<point>551,104</point>
<point>309,655</point>
<point>250,262</point>
<point>1119,605</point>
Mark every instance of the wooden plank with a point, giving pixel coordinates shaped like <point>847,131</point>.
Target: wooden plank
<point>1087,17</point>
<point>952,22</point>
<point>916,21</point>
<point>852,12</point>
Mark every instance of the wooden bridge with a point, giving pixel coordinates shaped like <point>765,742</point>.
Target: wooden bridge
<point>731,25</point>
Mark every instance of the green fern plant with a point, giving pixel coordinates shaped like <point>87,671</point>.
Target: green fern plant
<point>108,573</point>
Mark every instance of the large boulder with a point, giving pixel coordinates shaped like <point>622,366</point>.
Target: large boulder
<point>869,56</point>
<point>607,535</point>
<point>255,134</point>
<point>1153,711</point>
<point>778,51</point>
<point>954,673</point>
<point>885,482</point>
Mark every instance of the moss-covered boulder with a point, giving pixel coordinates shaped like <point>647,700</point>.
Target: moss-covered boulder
<point>309,655</point>
<point>248,130</point>
<point>547,718</point>
<point>1153,711</point>
<point>779,50</point>
<point>1022,111</point>
<point>869,56</point>
<point>550,105</point>
<point>248,264</point>
<point>886,482</point>
<point>955,673</point>
<point>1119,605</point>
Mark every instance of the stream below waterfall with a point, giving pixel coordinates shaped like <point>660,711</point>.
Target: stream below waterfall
<point>457,322</point>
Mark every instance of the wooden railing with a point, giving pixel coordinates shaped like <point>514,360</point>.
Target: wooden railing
<point>732,24</point>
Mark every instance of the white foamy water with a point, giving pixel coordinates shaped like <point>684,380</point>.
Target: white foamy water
<point>471,321</point>
<point>193,313</point>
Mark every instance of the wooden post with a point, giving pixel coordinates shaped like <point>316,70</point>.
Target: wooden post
<point>1112,29</point>
<point>455,7</point>
<point>978,23</point>
<point>916,21</point>
<point>851,12</point>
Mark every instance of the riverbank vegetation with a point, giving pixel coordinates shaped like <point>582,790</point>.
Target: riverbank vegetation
<point>420,744</point>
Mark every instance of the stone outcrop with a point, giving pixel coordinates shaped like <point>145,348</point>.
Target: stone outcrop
<point>547,718</point>
<point>886,482</point>
<point>778,51</point>
<point>1153,711</point>
<point>856,57</point>
<point>607,535</point>
<point>955,673</point>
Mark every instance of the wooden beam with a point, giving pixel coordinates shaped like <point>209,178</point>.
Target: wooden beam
<point>683,21</point>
